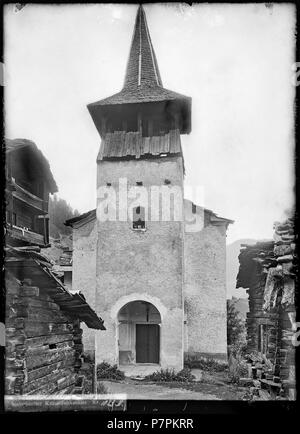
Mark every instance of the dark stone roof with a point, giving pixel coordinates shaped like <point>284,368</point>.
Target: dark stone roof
<point>29,264</point>
<point>252,258</point>
<point>87,215</point>
<point>20,145</point>
<point>132,144</point>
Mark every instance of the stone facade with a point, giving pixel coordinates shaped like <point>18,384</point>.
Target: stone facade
<point>84,272</point>
<point>205,288</point>
<point>155,266</point>
<point>141,265</point>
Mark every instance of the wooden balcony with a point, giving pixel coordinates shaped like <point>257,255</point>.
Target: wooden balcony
<point>29,198</point>
<point>26,236</point>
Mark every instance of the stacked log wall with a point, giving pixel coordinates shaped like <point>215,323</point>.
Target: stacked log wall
<point>257,316</point>
<point>287,266</point>
<point>43,344</point>
<point>286,355</point>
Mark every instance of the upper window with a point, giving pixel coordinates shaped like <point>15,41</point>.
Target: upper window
<point>138,221</point>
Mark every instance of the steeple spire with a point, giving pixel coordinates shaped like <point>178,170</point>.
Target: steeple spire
<point>142,68</point>
<point>143,104</point>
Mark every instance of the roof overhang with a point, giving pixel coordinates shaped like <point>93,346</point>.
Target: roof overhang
<point>28,264</point>
<point>167,107</point>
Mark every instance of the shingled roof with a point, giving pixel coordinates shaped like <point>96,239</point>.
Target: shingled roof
<point>142,82</point>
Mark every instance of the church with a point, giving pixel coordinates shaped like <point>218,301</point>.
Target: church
<point>152,262</point>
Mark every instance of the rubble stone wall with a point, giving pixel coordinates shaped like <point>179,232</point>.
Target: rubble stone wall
<point>84,274</point>
<point>205,292</point>
<point>147,265</point>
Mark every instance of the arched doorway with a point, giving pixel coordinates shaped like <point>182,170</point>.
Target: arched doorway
<point>139,333</point>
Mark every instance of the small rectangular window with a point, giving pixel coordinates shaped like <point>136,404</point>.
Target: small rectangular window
<point>139,183</point>
<point>138,218</point>
<point>194,208</point>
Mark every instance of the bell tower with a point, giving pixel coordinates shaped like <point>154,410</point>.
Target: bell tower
<point>140,259</point>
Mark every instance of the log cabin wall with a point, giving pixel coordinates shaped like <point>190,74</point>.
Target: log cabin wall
<point>269,270</point>
<point>43,343</point>
<point>261,326</point>
<point>286,355</point>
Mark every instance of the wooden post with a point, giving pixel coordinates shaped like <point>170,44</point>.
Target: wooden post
<point>140,123</point>
<point>45,230</point>
<point>95,365</point>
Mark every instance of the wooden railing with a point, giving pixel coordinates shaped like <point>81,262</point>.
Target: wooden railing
<point>29,198</point>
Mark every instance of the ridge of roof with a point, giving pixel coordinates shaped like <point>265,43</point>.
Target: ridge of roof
<point>142,67</point>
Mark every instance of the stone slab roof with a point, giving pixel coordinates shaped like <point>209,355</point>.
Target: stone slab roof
<point>30,264</point>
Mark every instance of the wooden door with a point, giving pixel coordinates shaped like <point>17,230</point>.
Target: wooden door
<point>147,343</point>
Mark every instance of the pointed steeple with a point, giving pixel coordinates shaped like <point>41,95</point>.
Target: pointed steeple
<point>142,68</point>
<point>143,100</point>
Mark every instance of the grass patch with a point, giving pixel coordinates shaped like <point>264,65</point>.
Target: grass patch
<point>109,372</point>
<point>237,362</point>
<point>169,375</point>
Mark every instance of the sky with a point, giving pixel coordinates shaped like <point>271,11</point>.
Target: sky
<point>234,60</point>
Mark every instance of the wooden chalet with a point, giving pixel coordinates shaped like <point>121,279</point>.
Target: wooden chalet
<point>29,182</point>
<point>43,334</point>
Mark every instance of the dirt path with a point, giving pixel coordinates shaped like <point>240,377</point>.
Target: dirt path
<point>171,391</point>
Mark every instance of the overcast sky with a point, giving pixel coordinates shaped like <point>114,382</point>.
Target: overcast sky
<point>235,61</point>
